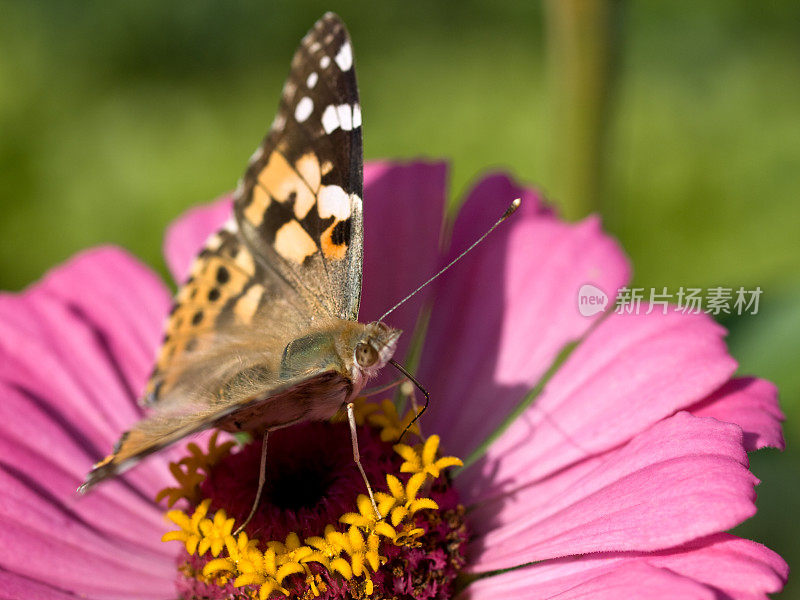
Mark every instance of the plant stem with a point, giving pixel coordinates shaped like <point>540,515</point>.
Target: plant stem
<point>581,51</point>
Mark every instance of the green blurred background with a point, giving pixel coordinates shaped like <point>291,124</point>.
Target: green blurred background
<point>115,117</point>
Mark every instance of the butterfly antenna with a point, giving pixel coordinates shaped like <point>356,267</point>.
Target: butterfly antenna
<point>509,211</point>
<point>413,380</point>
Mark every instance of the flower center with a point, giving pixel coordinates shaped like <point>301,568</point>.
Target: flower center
<point>311,479</point>
<point>315,533</point>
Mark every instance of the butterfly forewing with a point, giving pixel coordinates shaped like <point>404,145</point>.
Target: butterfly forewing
<point>299,204</point>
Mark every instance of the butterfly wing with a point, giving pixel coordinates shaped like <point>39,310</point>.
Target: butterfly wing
<point>292,254</point>
<point>291,257</point>
<point>167,427</point>
<point>299,205</point>
<point>233,386</point>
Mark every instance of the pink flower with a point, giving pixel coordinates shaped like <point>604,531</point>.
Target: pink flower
<point>618,479</point>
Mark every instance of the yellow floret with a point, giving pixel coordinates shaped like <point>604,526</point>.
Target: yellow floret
<point>390,423</point>
<point>205,460</point>
<point>363,551</point>
<point>366,519</point>
<point>422,459</point>
<point>216,533</point>
<point>191,470</point>
<point>189,532</point>
<point>189,481</point>
<point>404,500</point>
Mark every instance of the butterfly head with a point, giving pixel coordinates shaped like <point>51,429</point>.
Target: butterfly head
<point>375,346</point>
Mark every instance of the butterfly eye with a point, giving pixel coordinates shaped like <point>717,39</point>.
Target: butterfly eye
<point>366,355</point>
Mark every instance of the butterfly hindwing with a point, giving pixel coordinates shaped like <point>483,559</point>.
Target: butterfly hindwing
<point>291,400</point>
<point>226,290</point>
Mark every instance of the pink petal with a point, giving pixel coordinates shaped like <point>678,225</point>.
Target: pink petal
<point>46,384</point>
<point>15,587</point>
<point>637,580</point>
<point>121,300</point>
<point>75,558</point>
<point>79,350</point>
<point>752,404</point>
<point>742,569</point>
<point>403,209</point>
<point>683,478</point>
<point>49,456</point>
<point>186,235</point>
<point>79,345</point>
<point>75,350</point>
<point>630,372</point>
<point>730,567</point>
<point>505,312</point>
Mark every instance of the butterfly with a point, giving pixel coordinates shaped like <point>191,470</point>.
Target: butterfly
<point>264,332</point>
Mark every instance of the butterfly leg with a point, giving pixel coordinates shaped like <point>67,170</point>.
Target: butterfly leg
<point>407,390</point>
<point>262,478</point>
<point>351,416</point>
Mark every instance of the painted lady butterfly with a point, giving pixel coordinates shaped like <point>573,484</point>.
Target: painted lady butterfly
<point>264,334</point>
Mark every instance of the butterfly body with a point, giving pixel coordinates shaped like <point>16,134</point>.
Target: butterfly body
<point>331,365</point>
<point>264,331</point>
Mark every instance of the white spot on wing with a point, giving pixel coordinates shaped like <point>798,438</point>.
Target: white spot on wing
<point>259,152</point>
<point>344,58</point>
<point>333,201</point>
<point>214,242</point>
<point>330,120</point>
<point>237,193</point>
<point>345,113</point>
<point>356,116</point>
<point>303,109</point>
<point>325,61</point>
<point>312,80</point>
<point>279,122</point>
<point>230,225</point>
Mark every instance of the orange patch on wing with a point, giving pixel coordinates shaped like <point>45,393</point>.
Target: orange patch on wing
<point>282,182</point>
<point>204,274</point>
<point>257,207</point>
<point>169,351</point>
<point>246,306</point>
<point>329,249</point>
<point>196,311</point>
<point>292,242</point>
<point>103,462</point>
<point>135,441</point>
<point>308,166</point>
<point>244,260</point>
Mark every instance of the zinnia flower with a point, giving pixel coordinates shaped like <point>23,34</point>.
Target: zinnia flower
<point>605,457</point>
